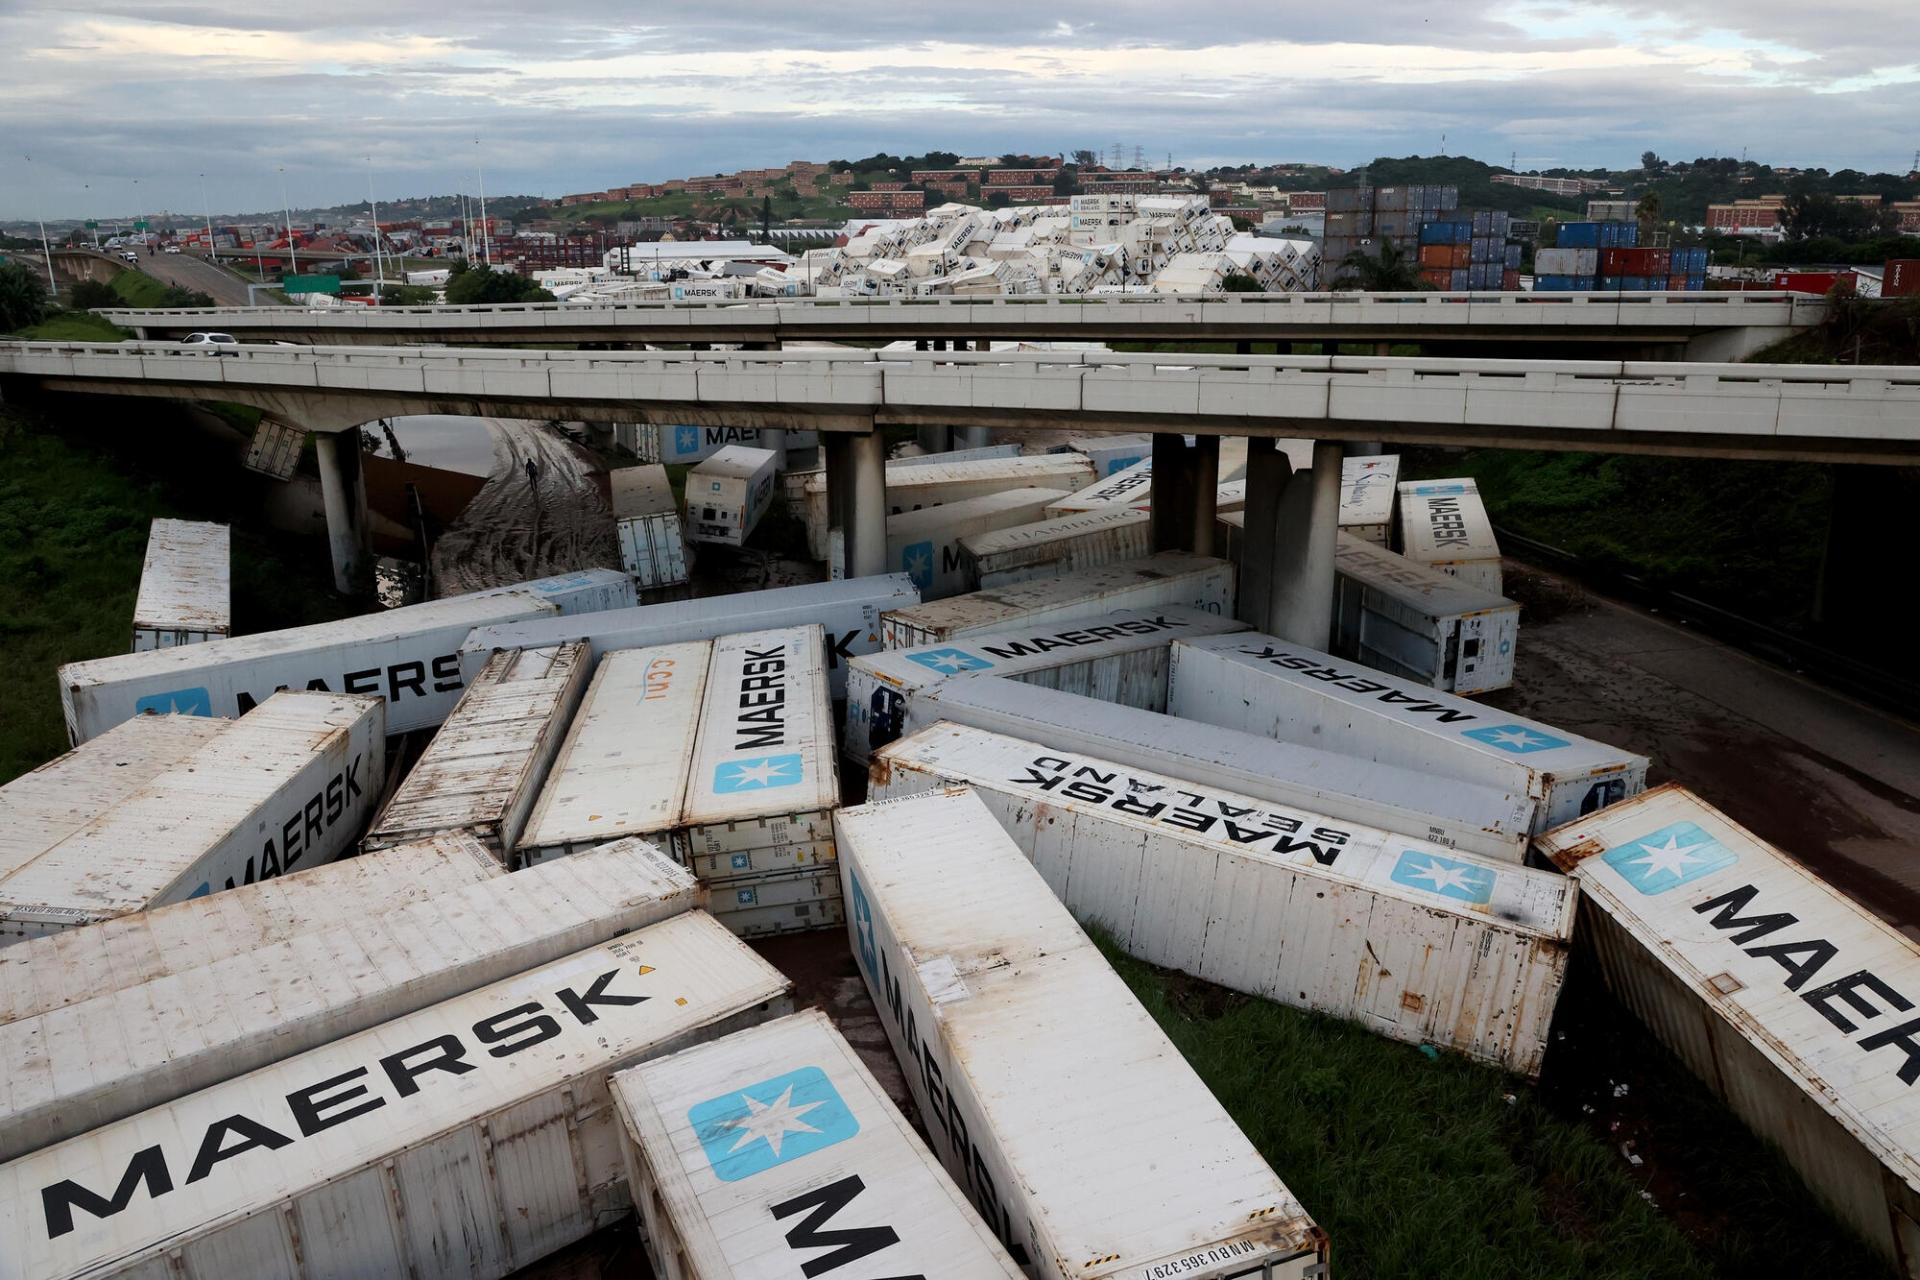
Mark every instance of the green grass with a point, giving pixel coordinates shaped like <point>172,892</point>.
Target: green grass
<point>79,483</point>
<point>138,289</point>
<point>76,326</point>
<point>1433,1166</point>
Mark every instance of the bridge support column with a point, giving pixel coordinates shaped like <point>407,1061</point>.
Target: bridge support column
<point>774,439</point>
<point>972,437</point>
<point>1184,480</point>
<point>856,466</point>
<point>934,439</point>
<point>1203,482</point>
<point>1286,568</point>
<point>343,491</point>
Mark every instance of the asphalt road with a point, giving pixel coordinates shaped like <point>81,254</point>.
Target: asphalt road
<point>192,272</point>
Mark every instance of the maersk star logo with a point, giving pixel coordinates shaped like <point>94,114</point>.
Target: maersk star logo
<point>863,927</point>
<point>1516,738</point>
<point>1668,858</point>
<point>949,661</point>
<point>762,773</point>
<point>686,439</point>
<point>1448,877</point>
<point>771,1123</point>
<point>1436,490</point>
<point>917,563</point>
<point>183,702</point>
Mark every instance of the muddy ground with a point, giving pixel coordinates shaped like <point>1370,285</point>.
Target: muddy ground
<point>518,528</point>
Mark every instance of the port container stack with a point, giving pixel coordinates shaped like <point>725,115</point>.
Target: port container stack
<point>185,586</point>
<point>1364,218</point>
<point>1608,257</point>
<point>647,525</point>
<point>1470,253</point>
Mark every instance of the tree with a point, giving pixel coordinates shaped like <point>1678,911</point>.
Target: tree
<point>1240,282</point>
<point>1391,272</point>
<point>88,294</point>
<point>484,284</point>
<point>405,295</point>
<point>1648,210</point>
<point>1086,159</point>
<point>23,297</point>
<point>1651,162</point>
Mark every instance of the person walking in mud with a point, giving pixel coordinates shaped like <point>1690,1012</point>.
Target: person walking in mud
<point>533,476</point>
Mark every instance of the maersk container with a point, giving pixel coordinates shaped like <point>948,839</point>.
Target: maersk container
<point>1132,487</point>
<point>720,1192</point>
<point>1112,1159</point>
<point>291,784</point>
<point>1169,577</point>
<point>74,965</point>
<point>89,1064</point>
<point>460,1142</point>
<point>407,656</point>
<point>1789,1000</point>
<point>41,808</point>
<point>1407,619</point>
<point>485,767</point>
<point>1367,492</point>
<point>1453,950</point>
<point>911,488</point>
<point>622,770</point>
<point>758,816</point>
<point>1056,547</point>
<point>1262,684</point>
<point>925,544</point>
<point>186,592</point>
<point>681,444</point>
<point>985,451</point>
<point>1441,811</point>
<point>1119,657</point>
<point>1444,525</point>
<point>728,493</point>
<point>849,610</point>
<point>1112,454</point>
<point>646,523</point>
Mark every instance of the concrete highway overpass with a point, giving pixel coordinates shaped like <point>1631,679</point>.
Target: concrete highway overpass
<point>1698,326</point>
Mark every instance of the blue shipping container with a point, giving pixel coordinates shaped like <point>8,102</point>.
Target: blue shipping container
<point>1436,233</point>
<point>1586,284</point>
<point>1579,235</point>
<point>1498,230</point>
<point>1482,223</point>
<point>1459,283</point>
<point>1553,284</point>
<point>1513,257</point>
<point>1697,281</point>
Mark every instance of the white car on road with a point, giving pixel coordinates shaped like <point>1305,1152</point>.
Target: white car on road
<point>217,343</point>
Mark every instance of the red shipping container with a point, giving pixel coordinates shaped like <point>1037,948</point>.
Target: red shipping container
<point>1810,281</point>
<point>1510,281</point>
<point>1462,256</point>
<point>1436,255</point>
<point>1636,262</point>
<point>1676,284</point>
<point>1438,277</point>
<point>1902,278</point>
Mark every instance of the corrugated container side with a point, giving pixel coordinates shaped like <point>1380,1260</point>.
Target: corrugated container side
<point>1132,487</point>
<point>967,953</point>
<point>185,586</point>
<point>364,1158</point>
<point>911,488</point>
<point>1052,548</point>
<point>104,1059</point>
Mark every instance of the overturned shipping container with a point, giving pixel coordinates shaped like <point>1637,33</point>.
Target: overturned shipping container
<point>911,488</point>
<point>1368,487</point>
<point>1417,622</point>
<point>1451,949</point>
<point>646,524</point>
<point>1262,684</point>
<point>1444,525</point>
<point>1789,1000</point>
<point>976,968</point>
<point>485,766</point>
<point>460,1142</point>
<point>720,1163</point>
<point>925,544</point>
<point>289,785</point>
<point>728,493</point>
<point>1054,548</point>
<point>186,594</point>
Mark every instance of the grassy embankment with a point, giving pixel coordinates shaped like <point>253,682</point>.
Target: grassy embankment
<point>78,485</point>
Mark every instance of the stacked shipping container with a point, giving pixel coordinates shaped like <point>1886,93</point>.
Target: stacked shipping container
<point>1469,253</point>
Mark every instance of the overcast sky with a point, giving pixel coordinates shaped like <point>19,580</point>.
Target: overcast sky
<point>122,104</point>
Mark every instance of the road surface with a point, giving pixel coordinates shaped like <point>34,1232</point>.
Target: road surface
<point>190,271</point>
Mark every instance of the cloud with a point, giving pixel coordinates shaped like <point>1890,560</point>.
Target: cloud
<point>566,97</point>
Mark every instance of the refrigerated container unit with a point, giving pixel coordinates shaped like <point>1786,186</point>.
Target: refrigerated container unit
<point>1367,493</point>
<point>92,1063</point>
<point>485,766</point>
<point>849,610</point>
<point>622,770</point>
<point>74,965</point>
<point>720,1190</point>
<point>44,806</point>
<point>757,820</point>
<point>1448,949</point>
<point>1056,547</point>
<point>1442,812</point>
<point>646,524</point>
<point>1132,487</point>
<point>407,656</point>
<point>1789,1000</point>
<point>1168,577</point>
<point>364,1158</point>
<point>291,784</point>
<point>186,594</point>
<point>1444,525</point>
<point>914,487</point>
<point>1265,685</point>
<point>1112,454</point>
<point>1407,619</point>
<point>925,544</point>
<point>977,969</point>
<point>1119,657</point>
<point>727,494</point>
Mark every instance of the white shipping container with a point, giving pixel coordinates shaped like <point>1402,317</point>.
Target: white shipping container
<point>1444,525</point>
<point>1441,811</point>
<point>1132,487</point>
<point>623,768</point>
<point>911,488</point>
<point>1413,621</point>
<point>186,594</point>
<point>1054,1083</point>
<point>408,656</point>
<point>289,785</point>
<point>646,523</point>
<point>463,1141</point>
<point>956,455</point>
<point>89,1064</point>
<point>1119,657</point>
<point>65,968</point>
<point>41,808</point>
<point>1368,486</point>
<point>1112,454</point>
<point>720,1147</point>
<point>925,544</point>
<point>1453,950</point>
<point>1566,262</point>
<point>1169,577</point>
<point>1264,685</point>
<point>728,493</point>
<point>485,766</point>
<point>1788,999</point>
<point>1055,547</point>
<point>688,444</point>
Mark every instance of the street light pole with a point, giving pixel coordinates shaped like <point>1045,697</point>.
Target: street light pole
<point>293,254</point>
<point>53,286</point>
<point>486,241</point>
<point>379,262</point>
<point>208,205</point>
